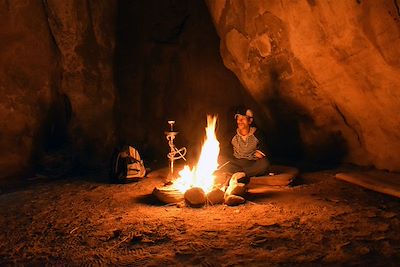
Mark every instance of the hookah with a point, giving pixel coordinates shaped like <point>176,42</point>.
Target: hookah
<point>174,153</point>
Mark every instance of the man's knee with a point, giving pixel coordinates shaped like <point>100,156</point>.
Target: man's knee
<point>261,166</point>
<point>264,163</point>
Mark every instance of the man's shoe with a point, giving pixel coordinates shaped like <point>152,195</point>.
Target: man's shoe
<point>236,177</point>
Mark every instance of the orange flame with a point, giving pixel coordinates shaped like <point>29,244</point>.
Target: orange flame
<point>202,174</point>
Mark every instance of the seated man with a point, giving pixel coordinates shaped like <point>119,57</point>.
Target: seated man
<point>248,158</point>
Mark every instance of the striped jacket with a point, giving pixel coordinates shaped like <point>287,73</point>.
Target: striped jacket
<point>245,146</point>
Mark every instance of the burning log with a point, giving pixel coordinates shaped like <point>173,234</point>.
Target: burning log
<point>195,197</point>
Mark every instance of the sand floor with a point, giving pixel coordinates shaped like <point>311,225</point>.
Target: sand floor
<point>82,222</point>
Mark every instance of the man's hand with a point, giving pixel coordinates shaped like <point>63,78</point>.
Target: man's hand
<point>259,154</point>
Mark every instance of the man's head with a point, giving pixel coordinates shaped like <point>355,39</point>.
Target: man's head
<point>244,118</point>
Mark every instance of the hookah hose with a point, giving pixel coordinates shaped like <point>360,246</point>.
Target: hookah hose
<point>174,151</point>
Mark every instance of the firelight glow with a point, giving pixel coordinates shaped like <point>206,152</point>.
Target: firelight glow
<point>201,175</point>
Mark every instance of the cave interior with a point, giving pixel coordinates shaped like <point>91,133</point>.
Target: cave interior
<point>81,79</point>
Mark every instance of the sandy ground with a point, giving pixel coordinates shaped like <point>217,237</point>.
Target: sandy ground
<point>80,222</point>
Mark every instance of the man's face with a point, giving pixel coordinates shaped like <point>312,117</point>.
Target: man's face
<point>243,122</point>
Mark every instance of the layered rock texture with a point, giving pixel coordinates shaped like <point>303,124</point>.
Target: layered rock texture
<point>56,84</point>
<point>325,73</point>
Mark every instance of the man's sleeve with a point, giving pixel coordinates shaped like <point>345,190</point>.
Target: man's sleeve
<point>261,147</point>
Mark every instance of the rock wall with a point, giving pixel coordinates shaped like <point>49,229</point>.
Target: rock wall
<point>322,76</point>
<point>56,84</point>
<point>84,33</point>
<point>325,73</point>
<point>169,67</point>
<point>28,67</point>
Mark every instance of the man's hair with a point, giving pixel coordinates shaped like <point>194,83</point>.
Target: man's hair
<point>244,111</point>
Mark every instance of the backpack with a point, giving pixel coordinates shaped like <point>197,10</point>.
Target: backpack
<point>127,165</point>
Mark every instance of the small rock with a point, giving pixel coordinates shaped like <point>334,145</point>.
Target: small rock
<point>382,227</point>
<point>238,189</point>
<point>195,197</point>
<point>387,250</point>
<point>233,200</point>
<point>388,215</point>
<point>363,250</point>
<point>216,196</point>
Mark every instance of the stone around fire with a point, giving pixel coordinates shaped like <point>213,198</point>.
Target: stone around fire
<point>195,197</point>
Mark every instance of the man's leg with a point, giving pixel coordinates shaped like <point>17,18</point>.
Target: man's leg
<point>257,167</point>
<point>223,175</point>
<point>241,165</point>
<point>235,165</point>
<point>249,167</point>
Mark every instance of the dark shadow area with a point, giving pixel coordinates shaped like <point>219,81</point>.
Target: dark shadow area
<point>149,199</point>
<point>168,67</point>
<point>55,157</point>
<point>295,139</point>
<point>268,194</point>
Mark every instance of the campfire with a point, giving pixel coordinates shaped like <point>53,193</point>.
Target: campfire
<point>201,184</point>
<point>197,185</point>
<point>202,174</point>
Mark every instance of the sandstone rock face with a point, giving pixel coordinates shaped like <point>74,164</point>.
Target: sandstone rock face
<point>56,82</point>
<point>84,35</point>
<point>28,67</point>
<point>326,74</point>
